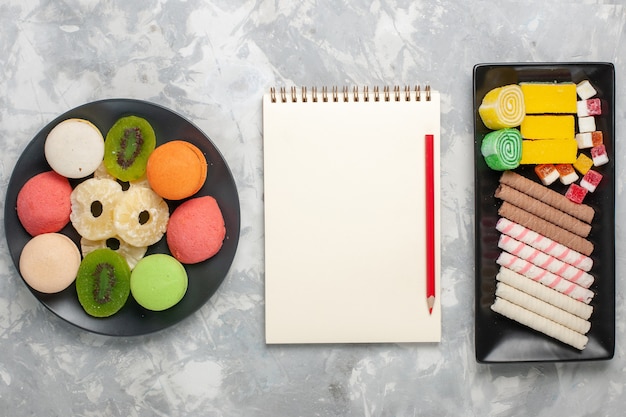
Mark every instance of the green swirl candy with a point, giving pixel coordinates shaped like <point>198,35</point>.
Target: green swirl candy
<point>502,149</point>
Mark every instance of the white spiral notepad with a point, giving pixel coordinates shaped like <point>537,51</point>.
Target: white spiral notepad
<point>346,205</point>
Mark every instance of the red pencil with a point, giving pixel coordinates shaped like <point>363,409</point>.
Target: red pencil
<point>430,222</point>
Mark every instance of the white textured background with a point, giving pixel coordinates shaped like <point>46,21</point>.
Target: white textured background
<point>212,61</point>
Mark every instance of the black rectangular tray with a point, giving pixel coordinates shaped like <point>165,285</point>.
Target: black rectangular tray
<point>498,339</point>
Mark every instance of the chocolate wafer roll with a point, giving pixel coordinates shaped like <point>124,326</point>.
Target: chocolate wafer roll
<point>545,228</point>
<point>546,212</point>
<point>547,195</point>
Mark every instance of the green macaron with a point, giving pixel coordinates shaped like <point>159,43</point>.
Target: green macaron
<point>158,282</point>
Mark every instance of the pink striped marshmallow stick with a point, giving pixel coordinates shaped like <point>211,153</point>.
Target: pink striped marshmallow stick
<point>544,244</point>
<point>545,261</point>
<point>547,278</point>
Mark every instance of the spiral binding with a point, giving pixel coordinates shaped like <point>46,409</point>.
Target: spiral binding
<point>335,95</point>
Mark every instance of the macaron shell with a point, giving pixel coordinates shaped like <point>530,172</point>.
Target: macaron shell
<point>203,166</point>
<point>176,170</point>
<point>196,230</point>
<point>49,262</point>
<point>74,148</point>
<point>43,203</point>
<point>158,282</point>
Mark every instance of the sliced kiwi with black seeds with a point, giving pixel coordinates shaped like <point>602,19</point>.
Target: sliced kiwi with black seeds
<point>103,282</point>
<point>127,146</point>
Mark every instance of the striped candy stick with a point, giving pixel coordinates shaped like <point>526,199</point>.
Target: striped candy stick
<point>547,278</point>
<point>549,246</point>
<point>545,261</point>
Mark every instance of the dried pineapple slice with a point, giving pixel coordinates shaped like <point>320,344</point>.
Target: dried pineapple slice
<point>141,217</point>
<point>131,253</point>
<point>101,172</point>
<point>141,182</point>
<point>93,203</point>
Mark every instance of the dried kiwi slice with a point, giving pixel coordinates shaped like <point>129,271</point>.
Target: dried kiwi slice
<point>103,282</point>
<point>127,146</point>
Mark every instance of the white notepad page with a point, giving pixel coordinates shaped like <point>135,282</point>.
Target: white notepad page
<point>344,195</point>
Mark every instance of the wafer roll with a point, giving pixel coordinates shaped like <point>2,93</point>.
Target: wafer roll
<point>546,228</point>
<point>541,324</point>
<point>549,246</point>
<point>540,291</point>
<point>542,308</point>
<point>547,278</point>
<point>547,195</point>
<point>546,212</point>
<point>545,261</point>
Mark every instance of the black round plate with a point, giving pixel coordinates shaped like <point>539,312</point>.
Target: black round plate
<point>204,277</point>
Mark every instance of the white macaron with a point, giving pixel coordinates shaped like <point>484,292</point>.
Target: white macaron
<point>74,148</point>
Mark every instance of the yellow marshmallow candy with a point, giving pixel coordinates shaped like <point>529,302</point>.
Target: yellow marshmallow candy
<point>549,97</point>
<point>548,127</point>
<point>549,151</point>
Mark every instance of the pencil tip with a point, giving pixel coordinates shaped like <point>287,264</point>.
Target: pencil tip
<point>431,303</point>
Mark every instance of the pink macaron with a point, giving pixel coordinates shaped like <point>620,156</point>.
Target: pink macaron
<point>196,230</point>
<point>43,203</point>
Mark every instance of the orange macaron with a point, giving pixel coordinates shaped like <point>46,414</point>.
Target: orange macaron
<point>176,170</point>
